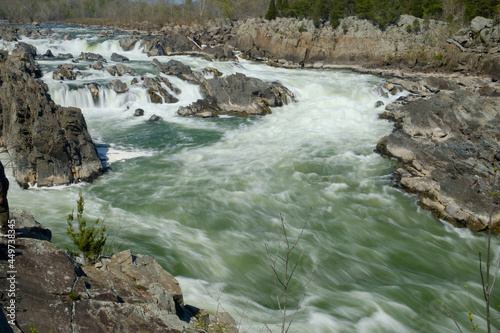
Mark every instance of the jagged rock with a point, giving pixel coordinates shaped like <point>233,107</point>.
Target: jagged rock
<point>157,92</point>
<point>118,86</point>
<point>118,58</point>
<point>48,144</point>
<point>119,70</point>
<point>64,56</point>
<point>139,112</point>
<point>177,68</point>
<point>125,292</point>
<point>94,90</point>
<point>155,118</point>
<point>97,65</point>
<point>46,56</point>
<point>240,95</point>
<point>64,74</point>
<point>448,147</point>
<point>479,23</point>
<point>220,53</point>
<point>91,56</point>
<point>214,71</point>
<point>106,33</point>
<point>128,43</point>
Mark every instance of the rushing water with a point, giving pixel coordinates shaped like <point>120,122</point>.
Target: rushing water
<point>204,197</point>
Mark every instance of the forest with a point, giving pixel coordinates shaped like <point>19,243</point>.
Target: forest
<point>161,12</point>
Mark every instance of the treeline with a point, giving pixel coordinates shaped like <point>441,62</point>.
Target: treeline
<point>384,12</point>
<point>161,12</point>
<point>153,12</point>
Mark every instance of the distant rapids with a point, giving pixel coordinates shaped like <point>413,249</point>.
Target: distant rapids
<point>204,197</point>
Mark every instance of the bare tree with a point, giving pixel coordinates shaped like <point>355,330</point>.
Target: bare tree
<point>283,262</point>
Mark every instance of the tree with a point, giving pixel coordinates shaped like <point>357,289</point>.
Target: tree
<point>284,262</point>
<point>271,12</point>
<point>89,240</point>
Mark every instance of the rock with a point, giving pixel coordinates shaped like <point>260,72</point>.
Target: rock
<point>447,145</point>
<point>177,68</point>
<point>157,90</point>
<point>119,70</point>
<point>106,33</point>
<point>213,71</point>
<point>64,56</point>
<point>94,90</point>
<point>128,43</point>
<point>118,58</point>
<point>155,118</point>
<point>479,23</point>
<point>64,74</point>
<point>240,95</point>
<point>125,292</point>
<point>139,112</point>
<point>97,65</point>
<point>118,86</point>
<point>48,144</point>
<point>46,56</point>
<point>379,104</point>
<point>91,56</point>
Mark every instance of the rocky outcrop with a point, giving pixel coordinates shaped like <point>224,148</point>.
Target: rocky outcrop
<point>237,94</point>
<point>177,68</point>
<point>122,293</point>
<point>91,56</point>
<point>448,145</point>
<point>118,69</point>
<point>178,44</point>
<point>158,90</point>
<point>48,144</point>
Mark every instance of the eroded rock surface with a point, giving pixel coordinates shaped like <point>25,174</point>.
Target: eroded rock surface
<point>48,144</point>
<point>123,293</point>
<point>448,146</point>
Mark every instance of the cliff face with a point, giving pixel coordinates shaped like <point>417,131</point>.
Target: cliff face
<point>123,293</point>
<point>48,144</point>
<point>411,44</point>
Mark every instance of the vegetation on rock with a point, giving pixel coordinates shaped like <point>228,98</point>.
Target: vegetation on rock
<point>90,240</point>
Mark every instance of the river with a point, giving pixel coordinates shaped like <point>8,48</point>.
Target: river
<point>205,197</point>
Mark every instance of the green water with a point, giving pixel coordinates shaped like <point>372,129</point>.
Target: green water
<point>204,197</point>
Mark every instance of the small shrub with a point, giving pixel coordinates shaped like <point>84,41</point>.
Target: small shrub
<point>74,296</point>
<point>89,240</point>
<point>32,329</point>
<point>438,57</point>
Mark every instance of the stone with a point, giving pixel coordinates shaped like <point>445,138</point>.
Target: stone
<point>138,112</point>
<point>124,292</point>
<point>91,56</point>
<point>155,118</point>
<point>128,43</point>
<point>118,57</point>
<point>48,144</point>
<point>118,86</point>
<point>445,143</point>
<point>238,94</point>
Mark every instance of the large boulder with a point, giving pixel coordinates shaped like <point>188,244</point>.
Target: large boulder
<point>177,68</point>
<point>158,90</point>
<point>448,145</point>
<point>238,94</point>
<point>122,293</point>
<point>48,144</point>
